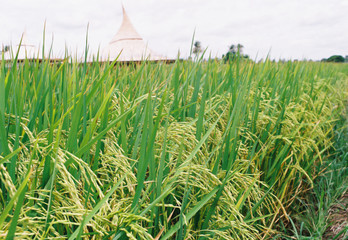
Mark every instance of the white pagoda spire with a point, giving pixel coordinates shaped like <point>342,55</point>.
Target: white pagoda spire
<point>129,43</point>
<point>126,31</point>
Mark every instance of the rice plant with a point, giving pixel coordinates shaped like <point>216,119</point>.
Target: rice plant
<point>190,150</point>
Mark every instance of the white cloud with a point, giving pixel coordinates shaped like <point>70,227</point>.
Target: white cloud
<point>290,29</point>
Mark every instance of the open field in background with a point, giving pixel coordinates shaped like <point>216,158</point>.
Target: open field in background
<point>182,151</point>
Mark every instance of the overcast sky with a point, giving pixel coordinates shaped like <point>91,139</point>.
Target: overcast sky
<point>287,29</point>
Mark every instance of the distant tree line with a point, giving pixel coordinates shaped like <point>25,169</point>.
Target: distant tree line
<point>334,58</point>
<point>234,51</point>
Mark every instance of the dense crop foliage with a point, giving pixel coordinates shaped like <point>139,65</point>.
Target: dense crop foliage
<point>187,150</point>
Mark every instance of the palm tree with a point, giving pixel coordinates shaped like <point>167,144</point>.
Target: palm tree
<point>240,48</point>
<point>233,52</point>
<point>232,49</point>
<point>197,48</point>
<point>5,48</point>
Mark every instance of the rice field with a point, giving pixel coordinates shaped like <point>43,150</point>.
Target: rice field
<point>190,150</point>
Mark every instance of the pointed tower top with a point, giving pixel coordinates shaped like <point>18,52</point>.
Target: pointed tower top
<point>126,31</point>
<point>123,10</point>
<point>129,44</point>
